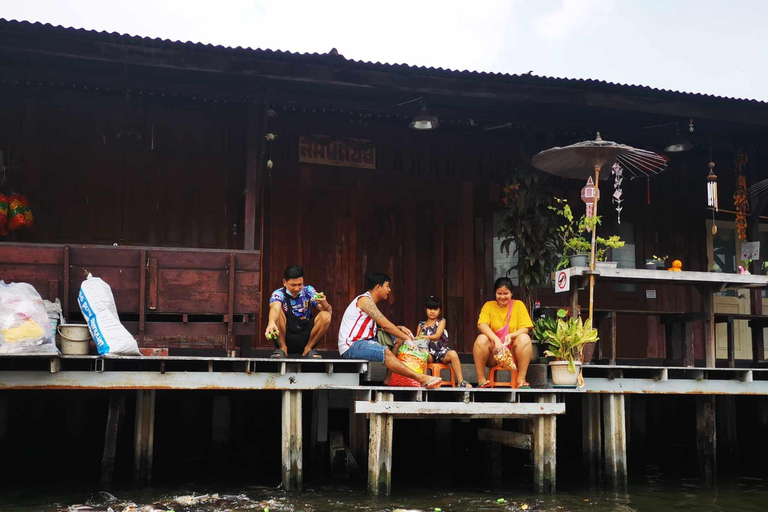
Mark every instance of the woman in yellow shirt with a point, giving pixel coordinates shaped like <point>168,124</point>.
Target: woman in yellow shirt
<point>492,319</point>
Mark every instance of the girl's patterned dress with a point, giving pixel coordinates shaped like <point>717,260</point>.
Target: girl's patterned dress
<point>437,349</point>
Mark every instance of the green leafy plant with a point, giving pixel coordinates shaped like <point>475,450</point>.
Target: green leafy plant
<point>567,341</point>
<point>572,233</point>
<point>612,242</point>
<point>658,260</point>
<point>543,326</point>
<point>530,223</point>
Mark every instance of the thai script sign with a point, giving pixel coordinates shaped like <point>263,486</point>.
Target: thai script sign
<point>344,152</point>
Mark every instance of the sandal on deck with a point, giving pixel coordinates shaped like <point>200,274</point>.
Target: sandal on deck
<point>465,384</point>
<point>433,383</point>
<point>485,384</point>
<point>278,354</point>
<point>524,385</point>
<point>312,354</point>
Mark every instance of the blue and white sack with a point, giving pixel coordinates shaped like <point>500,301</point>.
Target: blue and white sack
<point>98,307</point>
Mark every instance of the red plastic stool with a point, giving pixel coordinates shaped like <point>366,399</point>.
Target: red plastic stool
<point>512,383</point>
<point>436,369</point>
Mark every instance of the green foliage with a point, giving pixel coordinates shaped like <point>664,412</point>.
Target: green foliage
<point>530,221</point>
<point>567,341</point>
<point>612,242</point>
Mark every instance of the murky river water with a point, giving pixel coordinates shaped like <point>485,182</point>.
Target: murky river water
<point>651,494</point>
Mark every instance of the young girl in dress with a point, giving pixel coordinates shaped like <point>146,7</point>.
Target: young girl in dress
<point>434,331</point>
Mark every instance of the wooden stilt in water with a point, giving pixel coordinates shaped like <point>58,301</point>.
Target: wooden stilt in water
<point>592,441</point>
<point>545,448</point>
<point>292,441</point>
<point>380,450</point>
<point>114,412</point>
<point>144,435</point>
<point>706,438</point>
<point>615,439</point>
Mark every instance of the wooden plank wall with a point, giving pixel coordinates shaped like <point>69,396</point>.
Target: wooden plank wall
<point>105,167</point>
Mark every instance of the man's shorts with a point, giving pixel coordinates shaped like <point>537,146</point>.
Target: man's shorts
<point>370,350</point>
<point>297,334</point>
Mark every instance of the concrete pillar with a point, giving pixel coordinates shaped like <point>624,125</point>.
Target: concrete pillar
<point>292,441</point>
<point>615,439</point>
<point>706,438</point>
<point>114,412</point>
<point>592,440</point>
<point>144,435</point>
<point>545,448</point>
<point>380,450</point>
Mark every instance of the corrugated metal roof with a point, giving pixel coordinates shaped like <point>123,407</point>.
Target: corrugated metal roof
<point>323,58</point>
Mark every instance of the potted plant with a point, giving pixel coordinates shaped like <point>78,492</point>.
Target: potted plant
<point>612,242</point>
<point>565,345</point>
<point>655,262</point>
<point>542,327</point>
<point>576,248</point>
<point>765,267</point>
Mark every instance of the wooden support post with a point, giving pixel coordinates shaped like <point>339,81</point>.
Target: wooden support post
<point>710,350</point>
<point>730,342</point>
<point>319,430</point>
<point>614,329</point>
<point>706,438</point>
<point>592,442</point>
<point>495,474</point>
<point>545,448</point>
<point>687,334</point>
<point>110,439</point>
<point>144,435</point>
<point>380,451</point>
<point>221,417</point>
<point>615,439</point>
<point>142,295</point>
<point>292,441</point>
<point>575,308</point>
<point>725,418</point>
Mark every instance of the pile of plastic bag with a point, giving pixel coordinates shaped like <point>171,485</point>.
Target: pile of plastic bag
<point>24,324</point>
<point>414,354</point>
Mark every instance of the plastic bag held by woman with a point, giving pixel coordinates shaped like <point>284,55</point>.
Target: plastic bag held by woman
<point>100,312</point>
<point>24,324</point>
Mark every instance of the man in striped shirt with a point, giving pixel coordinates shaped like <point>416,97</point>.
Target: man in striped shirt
<point>361,323</point>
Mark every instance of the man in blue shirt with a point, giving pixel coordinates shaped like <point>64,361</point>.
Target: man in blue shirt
<point>291,325</point>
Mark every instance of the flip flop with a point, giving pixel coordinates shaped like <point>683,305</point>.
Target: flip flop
<point>433,383</point>
<point>278,354</point>
<point>485,384</point>
<point>312,354</point>
<point>524,385</point>
<point>465,384</point>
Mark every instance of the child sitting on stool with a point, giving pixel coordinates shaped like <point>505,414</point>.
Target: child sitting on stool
<point>434,331</point>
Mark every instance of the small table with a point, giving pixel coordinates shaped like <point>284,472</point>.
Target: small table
<point>708,283</point>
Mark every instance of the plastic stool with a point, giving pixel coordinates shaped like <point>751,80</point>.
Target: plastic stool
<point>436,369</point>
<point>512,383</point>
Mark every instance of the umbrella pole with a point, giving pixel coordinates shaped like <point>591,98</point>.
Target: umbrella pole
<point>594,232</point>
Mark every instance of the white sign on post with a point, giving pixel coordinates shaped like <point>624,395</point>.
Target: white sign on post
<point>562,281</point>
<point>750,251</point>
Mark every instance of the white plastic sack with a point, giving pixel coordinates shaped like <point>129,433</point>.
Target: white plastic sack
<point>98,307</point>
<point>24,325</point>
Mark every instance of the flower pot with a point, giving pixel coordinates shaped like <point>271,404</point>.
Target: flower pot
<point>588,351</point>
<point>649,265</point>
<point>606,264</point>
<point>579,260</point>
<point>561,376</point>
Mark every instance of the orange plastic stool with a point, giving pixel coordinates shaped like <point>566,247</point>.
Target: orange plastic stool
<point>436,369</point>
<point>502,384</point>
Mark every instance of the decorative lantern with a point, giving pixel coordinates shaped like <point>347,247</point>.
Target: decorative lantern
<point>588,196</point>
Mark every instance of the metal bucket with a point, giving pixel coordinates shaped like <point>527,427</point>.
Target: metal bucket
<point>75,339</point>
